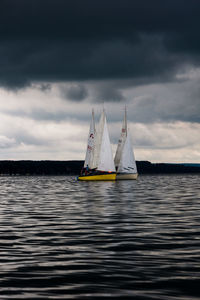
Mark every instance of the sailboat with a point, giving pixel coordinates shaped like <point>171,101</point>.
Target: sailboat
<point>124,158</point>
<point>99,163</point>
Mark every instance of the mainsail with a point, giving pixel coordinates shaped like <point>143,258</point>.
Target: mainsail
<point>121,141</point>
<point>90,144</point>
<point>102,158</point>
<point>127,162</point>
<point>124,158</point>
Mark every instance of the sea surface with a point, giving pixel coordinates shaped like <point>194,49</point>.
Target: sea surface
<point>65,239</point>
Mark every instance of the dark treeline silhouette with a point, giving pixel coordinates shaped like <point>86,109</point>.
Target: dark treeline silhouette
<point>43,167</point>
<point>73,167</point>
<point>146,167</point>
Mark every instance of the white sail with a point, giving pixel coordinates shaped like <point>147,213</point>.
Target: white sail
<point>121,141</point>
<point>124,158</point>
<point>106,162</point>
<point>103,159</point>
<point>97,145</point>
<point>90,145</point>
<point>127,162</point>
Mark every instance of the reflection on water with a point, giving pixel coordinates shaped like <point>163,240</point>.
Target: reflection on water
<point>65,239</point>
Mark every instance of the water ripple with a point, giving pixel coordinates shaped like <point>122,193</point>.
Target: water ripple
<point>64,239</point>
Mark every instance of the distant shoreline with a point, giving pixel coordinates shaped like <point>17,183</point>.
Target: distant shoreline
<point>73,167</point>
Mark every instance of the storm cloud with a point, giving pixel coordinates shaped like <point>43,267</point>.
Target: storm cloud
<point>55,41</point>
<point>74,92</point>
<point>59,58</point>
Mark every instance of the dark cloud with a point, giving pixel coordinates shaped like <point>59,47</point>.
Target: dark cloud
<point>155,103</point>
<point>76,92</point>
<point>107,92</point>
<point>175,102</point>
<point>48,41</point>
<point>88,18</point>
<point>111,95</point>
<point>44,87</point>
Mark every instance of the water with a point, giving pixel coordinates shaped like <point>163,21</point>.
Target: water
<point>63,239</point>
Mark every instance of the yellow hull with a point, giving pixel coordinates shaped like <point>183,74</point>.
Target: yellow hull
<point>103,177</point>
<point>126,176</point>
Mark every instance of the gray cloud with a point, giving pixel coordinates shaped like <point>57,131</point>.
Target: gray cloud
<point>167,103</point>
<point>107,92</point>
<point>24,136</point>
<point>44,87</point>
<point>74,92</point>
<point>162,102</point>
<point>6,143</point>
<point>50,41</point>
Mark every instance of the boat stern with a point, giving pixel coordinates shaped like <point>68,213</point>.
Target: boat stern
<point>124,176</point>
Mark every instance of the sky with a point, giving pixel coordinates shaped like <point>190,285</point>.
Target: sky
<point>59,59</point>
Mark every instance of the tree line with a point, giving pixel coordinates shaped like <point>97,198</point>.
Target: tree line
<point>73,167</point>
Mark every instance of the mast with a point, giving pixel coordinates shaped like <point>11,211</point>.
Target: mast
<point>90,145</point>
<point>125,120</point>
<point>121,141</point>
